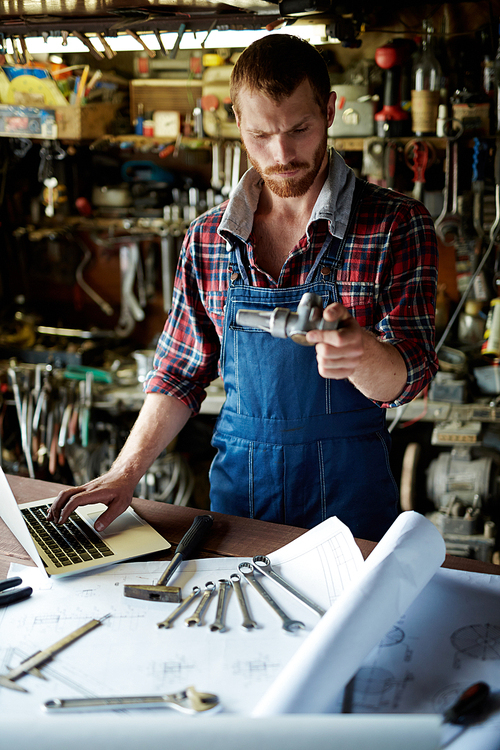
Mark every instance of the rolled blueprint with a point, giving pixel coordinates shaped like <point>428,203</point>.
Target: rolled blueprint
<point>393,575</point>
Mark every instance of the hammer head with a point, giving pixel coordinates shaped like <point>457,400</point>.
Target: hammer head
<point>154,593</point>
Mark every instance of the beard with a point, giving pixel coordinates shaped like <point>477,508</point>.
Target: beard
<point>291,187</point>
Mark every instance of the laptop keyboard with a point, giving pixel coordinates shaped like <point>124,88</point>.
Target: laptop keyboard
<point>73,542</point>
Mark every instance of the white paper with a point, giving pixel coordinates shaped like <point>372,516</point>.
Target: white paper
<point>395,572</point>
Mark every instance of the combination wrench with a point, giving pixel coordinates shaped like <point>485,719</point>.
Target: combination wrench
<point>263,564</point>
<point>167,623</point>
<point>218,624</point>
<point>195,618</point>
<point>288,624</point>
<point>247,623</point>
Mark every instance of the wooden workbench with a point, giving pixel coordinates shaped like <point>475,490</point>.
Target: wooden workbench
<point>230,536</point>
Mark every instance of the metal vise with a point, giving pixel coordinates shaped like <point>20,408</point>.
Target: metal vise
<point>282,323</point>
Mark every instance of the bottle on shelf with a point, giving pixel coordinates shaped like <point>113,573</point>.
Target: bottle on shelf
<point>426,85</point>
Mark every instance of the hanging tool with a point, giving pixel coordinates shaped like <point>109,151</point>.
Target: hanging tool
<point>149,52</point>
<point>263,565</point>
<point>160,43</point>
<point>392,151</point>
<point>130,310</point>
<point>287,623</point>
<point>392,121</point>
<point>188,544</point>
<point>22,417</point>
<point>449,223</point>
<point>177,43</point>
<point>108,51</point>
<point>40,658</point>
<point>419,156</point>
<point>96,53</point>
<point>188,701</point>
<point>281,323</point>
<point>16,594</point>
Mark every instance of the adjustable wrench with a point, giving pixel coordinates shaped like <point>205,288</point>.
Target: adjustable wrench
<point>282,323</point>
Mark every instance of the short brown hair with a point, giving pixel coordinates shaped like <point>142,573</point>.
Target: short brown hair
<point>276,64</point>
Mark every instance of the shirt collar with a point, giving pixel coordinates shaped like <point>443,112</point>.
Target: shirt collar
<point>333,203</point>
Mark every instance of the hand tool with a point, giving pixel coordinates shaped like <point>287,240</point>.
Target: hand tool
<point>449,223</point>
<point>188,701</point>
<point>177,43</point>
<point>288,624</point>
<point>219,624</point>
<point>149,52</point>
<point>96,53</point>
<point>196,617</point>
<point>40,658</point>
<point>189,542</point>
<point>470,707</point>
<point>419,155</point>
<point>263,564</point>
<point>17,595</point>
<point>167,623</point>
<point>282,323</point>
<point>247,623</point>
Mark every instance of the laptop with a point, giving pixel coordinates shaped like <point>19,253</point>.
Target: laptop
<point>76,546</point>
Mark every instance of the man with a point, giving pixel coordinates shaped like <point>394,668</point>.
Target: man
<point>302,434</point>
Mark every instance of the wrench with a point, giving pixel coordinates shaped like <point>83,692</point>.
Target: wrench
<point>247,623</point>
<point>195,618</point>
<point>182,606</point>
<point>218,624</point>
<point>288,624</point>
<point>263,564</point>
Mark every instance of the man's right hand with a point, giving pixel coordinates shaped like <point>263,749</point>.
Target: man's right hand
<point>111,488</point>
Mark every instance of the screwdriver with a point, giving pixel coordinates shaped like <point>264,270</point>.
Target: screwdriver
<point>466,709</point>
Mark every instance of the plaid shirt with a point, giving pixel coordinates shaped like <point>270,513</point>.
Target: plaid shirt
<point>387,280</point>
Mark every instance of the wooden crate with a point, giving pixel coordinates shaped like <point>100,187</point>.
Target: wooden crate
<point>172,95</point>
<point>84,123</point>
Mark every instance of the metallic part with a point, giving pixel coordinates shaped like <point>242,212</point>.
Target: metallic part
<point>188,701</point>
<point>42,657</point>
<point>167,623</point>
<point>196,617</point>
<point>247,623</point>
<point>219,624</point>
<point>263,565</point>
<point>290,625</point>
<point>282,323</point>
<point>188,544</point>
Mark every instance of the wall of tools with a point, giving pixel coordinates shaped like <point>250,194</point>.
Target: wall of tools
<point>93,215</point>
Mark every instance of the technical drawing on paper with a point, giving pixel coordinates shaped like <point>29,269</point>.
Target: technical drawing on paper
<point>478,641</point>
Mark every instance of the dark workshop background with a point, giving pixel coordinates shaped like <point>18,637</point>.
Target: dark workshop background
<point>105,158</point>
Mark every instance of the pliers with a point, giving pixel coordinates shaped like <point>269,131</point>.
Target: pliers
<point>13,596</point>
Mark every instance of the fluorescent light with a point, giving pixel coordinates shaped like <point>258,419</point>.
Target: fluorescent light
<point>314,33</point>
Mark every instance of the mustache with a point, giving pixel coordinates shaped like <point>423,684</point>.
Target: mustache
<point>283,168</point>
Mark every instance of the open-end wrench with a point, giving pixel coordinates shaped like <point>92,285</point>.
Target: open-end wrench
<point>219,624</point>
<point>247,623</point>
<point>263,564</point>
<point>167,623</point>
<point>195,618</point>
<point>288,624</point>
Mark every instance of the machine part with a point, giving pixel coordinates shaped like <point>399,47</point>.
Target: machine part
<point>392,121</point>
<point>419,156</point>
<point>196,617</point>
<point>451,433</point>
<point>263,565</point>
<point>282,323</point>
<point>188,544</point>
<point>247,623</point>
<point>456,474</point>
<point>167,623</point>
<point>288,624</point>
<point>188,701</point>
<point>407,489</point>
<point>31,664</point>
<point>218,624</point>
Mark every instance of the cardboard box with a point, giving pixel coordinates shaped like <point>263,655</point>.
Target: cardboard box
<point>173,95</point>
<point>27,122</point>
<point>84,123</point>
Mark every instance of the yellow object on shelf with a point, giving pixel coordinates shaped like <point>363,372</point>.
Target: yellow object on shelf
<point>30,91</point>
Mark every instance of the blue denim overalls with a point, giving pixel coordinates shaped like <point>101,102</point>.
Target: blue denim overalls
<point>292,446</point>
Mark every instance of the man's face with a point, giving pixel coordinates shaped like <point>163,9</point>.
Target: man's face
<point>285,142</point>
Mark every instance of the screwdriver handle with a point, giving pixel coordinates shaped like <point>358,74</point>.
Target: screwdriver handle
<point>471,701</point>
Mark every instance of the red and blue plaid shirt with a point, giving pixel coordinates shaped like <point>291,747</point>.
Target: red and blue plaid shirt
<point>387,280</point>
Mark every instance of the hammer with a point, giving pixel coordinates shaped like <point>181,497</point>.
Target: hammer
<point>189,542</point>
